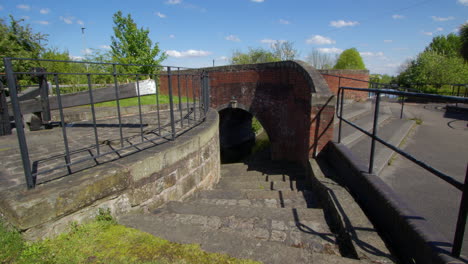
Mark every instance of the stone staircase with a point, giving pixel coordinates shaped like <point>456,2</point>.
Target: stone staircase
<point>390,128</point>
<point>261,210</point>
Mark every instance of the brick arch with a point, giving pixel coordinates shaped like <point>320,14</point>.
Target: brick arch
<point>290,98</point>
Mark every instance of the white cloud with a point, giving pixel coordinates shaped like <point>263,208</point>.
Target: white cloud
<point>372,54</point>
<point>187,53</point>
<point>76,58</point>
<point>87,51</point>
<point>24,7</point>
<point>441,19</point>
<point>224,58</point>
<point>439,29</point>
<point>272,41</point>
<point>25,17</point>
<point>330,50</point>
<point>257,1</point>
<point>1,7</point>
<point>463,2</point>
<point>42,22</point>
<point>396,16</point>
<point>232,38</point>
<point>342,23</point>
<point>171,36</point>
<point>320,40</point>
<point>426,33</point>
<point>80,22</point>
<point>173,2</point>
<point>388,41</point>
<point>44,11</point>
<point>284,22</point>
<point>161,15</point>
<point>105,47</point>
<point>67,20</point>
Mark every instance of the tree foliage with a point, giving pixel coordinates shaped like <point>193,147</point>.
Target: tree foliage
<point>284,50</point>
<point>445,45</point>
<point>18,40</point>
<point>464,41</point>
<point>350,59</point>
<point>440,63</point>
<point>132,45</point>
<point>320,60</point>
<point>254,55</point>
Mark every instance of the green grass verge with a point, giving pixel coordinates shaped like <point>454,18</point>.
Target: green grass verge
<point>145,100</point>
<point>103,241</point>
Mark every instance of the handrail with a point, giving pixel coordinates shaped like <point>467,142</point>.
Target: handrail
<point>463,209</point>
<point>192,116</point>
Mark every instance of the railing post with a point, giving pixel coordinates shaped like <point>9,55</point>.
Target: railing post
<point>402,105</point>
<point>116,86</point>
<point>206,91</point>
<point>461,222</point>
<point>5,127</point>
<point>374,132</point>
<point>340,124</point>
<point>19,123</point>
<point>180,98</point>
<point>171,102</point>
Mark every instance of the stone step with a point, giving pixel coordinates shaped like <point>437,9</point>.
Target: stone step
<point>351,138</point>
<point>280,214</point>
<point>262,178</point>
<point>265,167</point>
<point>255,203</point>
<point>262,185</point>
<point>354,111</point>
<point>394,132</point>
<point>256,194</point>
<point>238,245</point>
<point>227,173</point>
<point>293,227</point>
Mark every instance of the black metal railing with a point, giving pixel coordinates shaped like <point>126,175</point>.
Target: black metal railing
<point>192,106</point>
<point>461,186</point>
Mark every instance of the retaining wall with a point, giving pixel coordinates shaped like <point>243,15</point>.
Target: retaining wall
<point>138,182</point>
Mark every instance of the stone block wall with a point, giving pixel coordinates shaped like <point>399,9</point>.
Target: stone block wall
<point>139,182</point>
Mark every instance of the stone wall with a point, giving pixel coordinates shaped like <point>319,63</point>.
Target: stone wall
<point>138,182</point>
<point>350,78</point>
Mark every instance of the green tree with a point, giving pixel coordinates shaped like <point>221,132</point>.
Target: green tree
<point>284,50</point>
<point>440,63</point>
<point>254,55</point>
<point>132,45</point>
<point>350,59</point>
<point>445,45</point>
<point>464,41</point>
<point>18,40</point>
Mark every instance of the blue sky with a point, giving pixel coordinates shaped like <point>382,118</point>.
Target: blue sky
<point>196,32</point>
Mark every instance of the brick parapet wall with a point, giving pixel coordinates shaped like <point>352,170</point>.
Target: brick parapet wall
<point>286,97</point>
<point>350,78</point>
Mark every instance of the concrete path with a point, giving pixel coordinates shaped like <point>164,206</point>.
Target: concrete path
<point>441,141</point>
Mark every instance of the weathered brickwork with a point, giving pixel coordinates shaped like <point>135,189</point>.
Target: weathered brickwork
<point>290,99</point>
<point>350,78</point>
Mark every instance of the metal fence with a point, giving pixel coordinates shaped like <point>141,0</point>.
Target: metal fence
<point>188,101</point>
<point>461,186</point>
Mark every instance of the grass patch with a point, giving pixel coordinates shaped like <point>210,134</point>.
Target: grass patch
<point>256,126</point>
<point>145,100</point>
<point>103,241</point>
<point>418,121</point>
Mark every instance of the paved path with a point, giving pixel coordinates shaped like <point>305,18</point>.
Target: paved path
<point>47,148</point>
<point>441,141</point>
